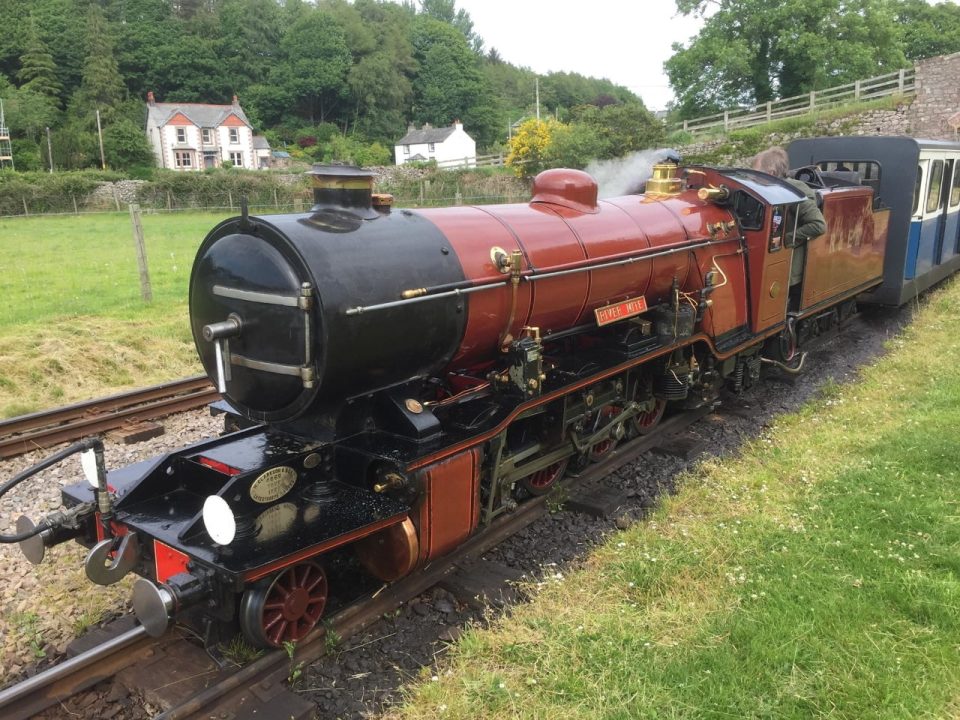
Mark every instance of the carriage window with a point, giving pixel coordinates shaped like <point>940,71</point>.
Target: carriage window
<point>916,190</point>
<point>933,191</point>
<point>955,191</point>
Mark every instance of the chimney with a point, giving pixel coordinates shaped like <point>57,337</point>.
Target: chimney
<point>411,127</point>
<point>342,188</point>
<point>427,126</point>
<point>457,123</point>
<point>151,100</point>
<point>236,103</point>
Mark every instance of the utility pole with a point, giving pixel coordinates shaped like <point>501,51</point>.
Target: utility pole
<point>538,99</point>
<point>103,162</point>
<point>49,151</point>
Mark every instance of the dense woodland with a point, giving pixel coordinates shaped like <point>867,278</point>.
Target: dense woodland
<point>332,79</point>
<point>340,80</point>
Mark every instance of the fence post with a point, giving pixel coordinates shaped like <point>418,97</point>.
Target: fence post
<point>116,198</point>
<point>769,111</point>
<point>726,120</point>
<point>856,90</point>
<point>75,210</point>
<point>145,290</point>
<point>25,211</point>
<point>813,99</point>
<point>169,201</point>
<point>685,125</point>
<point>230,198</point>
<point>900,79</point>
<point>276,200</point>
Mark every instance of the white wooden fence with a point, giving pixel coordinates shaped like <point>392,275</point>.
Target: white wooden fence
<point>901,82</point>
<point>496,159</point>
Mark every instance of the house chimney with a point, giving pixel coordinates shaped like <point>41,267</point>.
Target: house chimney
<point>457,123</point>
<point>427,126</point>
<point>151,100</point>
<point>236,102</point>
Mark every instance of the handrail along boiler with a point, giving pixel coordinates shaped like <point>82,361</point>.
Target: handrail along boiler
<point>400,378</point>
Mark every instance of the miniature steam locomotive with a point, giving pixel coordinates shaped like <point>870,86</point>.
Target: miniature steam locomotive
<point>398,379</point>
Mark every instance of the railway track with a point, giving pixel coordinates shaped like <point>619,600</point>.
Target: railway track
<point>51,427</point>
<point>258,689</point>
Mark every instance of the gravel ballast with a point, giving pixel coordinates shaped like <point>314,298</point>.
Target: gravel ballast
<point>45,606</point>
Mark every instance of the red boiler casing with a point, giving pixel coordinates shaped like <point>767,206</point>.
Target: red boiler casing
<point>564,225</point>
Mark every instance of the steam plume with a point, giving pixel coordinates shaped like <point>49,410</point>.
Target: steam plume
<point>625,175</point>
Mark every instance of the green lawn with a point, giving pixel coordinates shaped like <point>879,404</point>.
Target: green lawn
<point>72,324</point>
<point>816,575</point>
<point>63,266</point>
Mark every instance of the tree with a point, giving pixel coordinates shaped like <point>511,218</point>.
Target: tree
<point>574,146</point>
<point>928,30</point>
<point>530,146</point>
<point>449,84</point>
<point>446,11</point>
<point>315,64</point>
<point>751,51</point>
<point>125,145</point>
<point>38,72</point>
<point>622,129</point>
<point>102,87</point>
<point>250,35</point>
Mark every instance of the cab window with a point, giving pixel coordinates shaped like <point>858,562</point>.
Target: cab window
<point>749,211</point>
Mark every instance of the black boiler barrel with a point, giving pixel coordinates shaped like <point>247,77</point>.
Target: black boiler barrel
<point>286,281</point>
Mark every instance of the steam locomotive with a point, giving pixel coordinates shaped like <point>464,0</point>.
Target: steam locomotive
<point>400,378</point>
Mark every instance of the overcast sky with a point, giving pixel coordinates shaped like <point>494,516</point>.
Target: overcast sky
<point>626,41</point>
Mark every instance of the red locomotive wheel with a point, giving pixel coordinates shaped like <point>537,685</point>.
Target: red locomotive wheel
<point>540,482</point>
<point>602,448</point>
<point>286,609</point>
<point>645,422</point>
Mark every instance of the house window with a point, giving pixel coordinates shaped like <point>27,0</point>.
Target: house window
<point>237,159</point>
<point>207,136</point>
<point>406,149</point>
<point>431,147</point>
<point>183,159</point>
<point>234,136</point>
<point>181,135</point>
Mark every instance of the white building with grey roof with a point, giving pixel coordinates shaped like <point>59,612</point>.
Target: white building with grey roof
<point>447,146</point>
<point>196,136</point>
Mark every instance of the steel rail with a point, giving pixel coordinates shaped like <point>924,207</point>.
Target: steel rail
<point>59,682</point>
<point>45,429</point>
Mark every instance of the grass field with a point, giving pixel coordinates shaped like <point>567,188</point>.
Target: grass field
<point>72,324</point>
<point>816,575</point>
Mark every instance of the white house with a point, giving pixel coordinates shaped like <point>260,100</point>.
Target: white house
<point>195,136</point>
<point>448,146</point>
<point>261,150</point>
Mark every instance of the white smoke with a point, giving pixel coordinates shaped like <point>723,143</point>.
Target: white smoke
<point>626,175</point>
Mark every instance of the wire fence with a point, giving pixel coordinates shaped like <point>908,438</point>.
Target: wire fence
<point>227,203</point>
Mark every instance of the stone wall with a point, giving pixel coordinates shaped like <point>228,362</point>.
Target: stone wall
<point>937,99</point>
